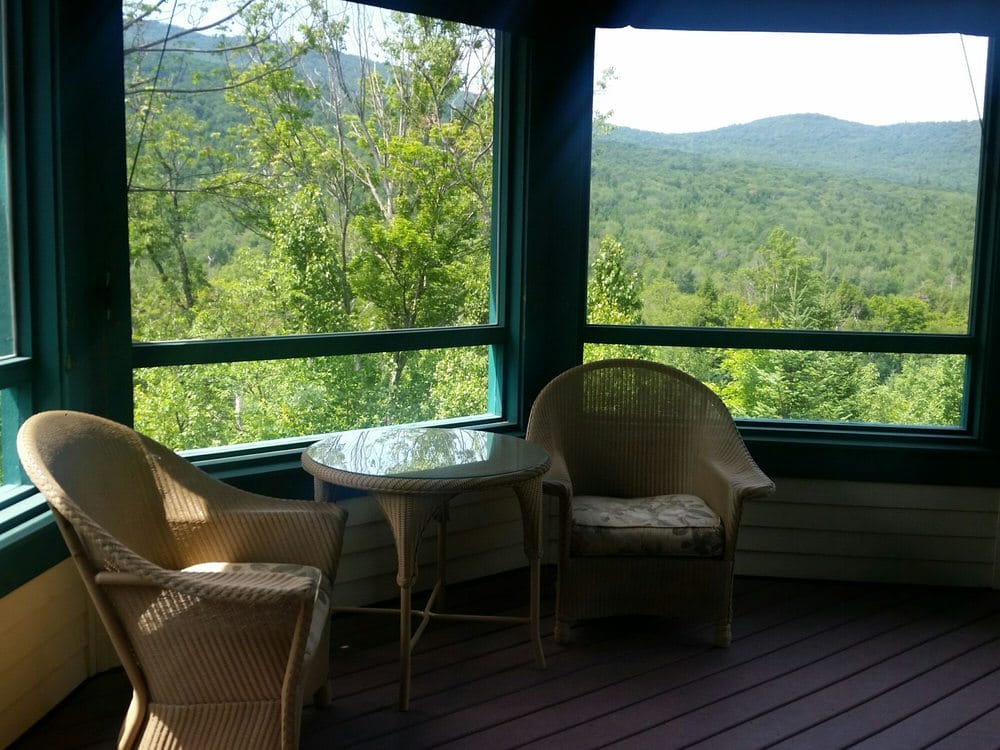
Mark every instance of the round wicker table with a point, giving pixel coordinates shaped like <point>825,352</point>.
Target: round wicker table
<point>412,473</point>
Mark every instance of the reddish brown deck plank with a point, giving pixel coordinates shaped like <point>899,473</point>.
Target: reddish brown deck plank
<point>848,651</point>
<point>813,665</point>
<point>607,681</point>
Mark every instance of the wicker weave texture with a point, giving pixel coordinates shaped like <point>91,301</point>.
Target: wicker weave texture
<point>216,659</point>
<point>633,429</point>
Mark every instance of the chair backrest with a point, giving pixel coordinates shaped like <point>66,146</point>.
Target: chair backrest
<point>86,464</point>
<point>629,428</point>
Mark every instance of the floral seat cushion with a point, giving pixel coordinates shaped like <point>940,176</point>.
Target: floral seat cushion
<point>321,604</point>
<point>668,525</point>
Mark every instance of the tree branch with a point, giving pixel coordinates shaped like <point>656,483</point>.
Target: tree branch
<point>251,44</point>
<point>211,89</point>
<point>198,29</point>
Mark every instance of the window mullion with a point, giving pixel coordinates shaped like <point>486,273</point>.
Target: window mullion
<point>211,351</point>
<point>742,338</point>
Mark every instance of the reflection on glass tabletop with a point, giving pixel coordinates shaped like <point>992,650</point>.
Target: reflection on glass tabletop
<point>426,452</point>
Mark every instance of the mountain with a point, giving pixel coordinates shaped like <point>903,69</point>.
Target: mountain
<point>889,209</point>
<point>194,70</point>
<point>197,55</point>
<point>701,212</point>
<point>942,155</point>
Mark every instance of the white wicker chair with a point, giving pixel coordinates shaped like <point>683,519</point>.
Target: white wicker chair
<point>216,600</point>
<point>651,475</point>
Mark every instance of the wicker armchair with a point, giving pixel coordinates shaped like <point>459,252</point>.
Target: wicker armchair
<point>216,600</point>
<point>651,475</point>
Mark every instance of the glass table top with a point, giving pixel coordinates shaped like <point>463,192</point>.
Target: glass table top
<point>435,453</point>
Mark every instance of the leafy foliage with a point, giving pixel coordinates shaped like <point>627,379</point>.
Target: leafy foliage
<point>943,155</point>
<point>782,289</point>
<point>359,197</point>
<point>316,169</point>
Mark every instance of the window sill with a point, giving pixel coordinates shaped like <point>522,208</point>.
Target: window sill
<point>29,548</point>
<point>892,457</point>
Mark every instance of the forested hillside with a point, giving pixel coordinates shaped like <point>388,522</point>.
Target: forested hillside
<point>797,222</point>
<point>687,217</point>
<point>291,184</point>
<point>937,154</point>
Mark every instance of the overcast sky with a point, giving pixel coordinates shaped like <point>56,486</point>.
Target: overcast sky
<point>677,82</point>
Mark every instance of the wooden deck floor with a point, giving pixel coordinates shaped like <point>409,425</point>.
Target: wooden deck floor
<point>812,665</point>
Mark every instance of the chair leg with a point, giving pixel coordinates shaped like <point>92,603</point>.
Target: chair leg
<point>128,735</point>
<point>323,697</point>
<point>560,632</point>
<point>723,634</point>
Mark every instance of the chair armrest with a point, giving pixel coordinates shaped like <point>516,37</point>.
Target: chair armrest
<point>556,481</point>
<point>744,477</point>
<point>251,587</point>
<point>212,521</point>
<point>236,526</point>
<point>725,484</point>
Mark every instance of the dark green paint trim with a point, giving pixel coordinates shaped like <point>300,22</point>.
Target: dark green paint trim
<point>11,494</point>
<point>510,118</point>
<point>839,16</point>
<point>16,513</point>
<point>746,338</point>
<point>937,465</point>
<point>8,309</point>
<point>982,401</point>
<point>499,246</point>
<point>31,90</point>
<point>14,371</point>
<point>874,434</point>
<point>92,249</point>
<point>28,551</point>
<point>558,101</point>
<point>172,353</point>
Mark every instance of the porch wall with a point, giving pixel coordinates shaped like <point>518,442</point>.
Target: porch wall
<point>45,634</point>
<point>807,529</point>
<point>860,531</point>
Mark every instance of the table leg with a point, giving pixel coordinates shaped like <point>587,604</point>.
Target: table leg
<point>529,494</point>
<point>535,614</point>
<point>407,516</point>
<point>405,648</point>
<point>442,556</point>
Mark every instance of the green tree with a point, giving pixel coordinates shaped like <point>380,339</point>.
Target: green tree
<point>898,314</point>
<point>783,289</point>
<point>614,297</point>
<point>614,293</point>
<point>782,384</point>
<point>784,286</point>
<point>927,390</point>
<point>369,185</point>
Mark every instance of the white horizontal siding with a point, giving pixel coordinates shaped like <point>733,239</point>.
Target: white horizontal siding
<point>807,529</point>
<point>872,532</point>
<point>45,632</point>
<point>484,537</point>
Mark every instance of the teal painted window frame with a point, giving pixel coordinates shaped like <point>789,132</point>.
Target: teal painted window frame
<point>883,452</point>
<point>68,238</point>
<point>495,335</point>
<point>28,539</point>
